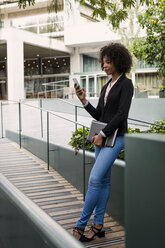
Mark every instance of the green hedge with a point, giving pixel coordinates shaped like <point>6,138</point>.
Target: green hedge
<point>76,140</point>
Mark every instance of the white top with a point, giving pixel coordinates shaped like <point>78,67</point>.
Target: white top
<point>109,88</point>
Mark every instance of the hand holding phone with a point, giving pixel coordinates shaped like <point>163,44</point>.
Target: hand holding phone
<point>77,86</point>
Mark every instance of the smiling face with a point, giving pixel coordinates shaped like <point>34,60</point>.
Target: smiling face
<point>108,66</point>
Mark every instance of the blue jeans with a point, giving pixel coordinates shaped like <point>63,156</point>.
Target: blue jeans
<point>99,183</point>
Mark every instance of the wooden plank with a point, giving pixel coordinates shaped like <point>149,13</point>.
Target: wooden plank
<point>74,220</point>
<point>56,183</point>
<point>34,182</point>
<point>30,175</point>
<point>117,245</point>
<point>48,195</point>
<point>68,196</point>
<point>43,189</point>
<point>63,212</point>
<point>62,205</point>
<point>59,209</point>
<point>102,242</point>
<point>25,164</point>
<point>31,179</point>
<point>115,234</point>
<point>16,160</point>
<point>8,174</point>
<point>27,175</point>
<point>66,189</point>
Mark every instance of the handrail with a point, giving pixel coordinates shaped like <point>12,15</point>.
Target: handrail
<point>146,122</point>
<point>71,103</point>
<point>141,121</point>
<point>78,106</point>
<point>49,229</point>
<point>52,113</point>
<point>64,118</point>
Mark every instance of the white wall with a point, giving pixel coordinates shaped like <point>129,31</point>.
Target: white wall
<point>89,34</point>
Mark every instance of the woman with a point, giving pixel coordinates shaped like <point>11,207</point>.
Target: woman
<point>113,107</point>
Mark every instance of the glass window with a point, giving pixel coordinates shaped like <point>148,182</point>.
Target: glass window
<point>1,24</point>
<point>31,67</point>
<point>48,87</point>
<point>149,81</point>
<point>44,23</point>
<point>56,65</point>
<point>90,64</point>
<point>2,69</point>
<point>91,87</point>
<point>83,82</point>
<point>101,80</point>
<point>141,64</point>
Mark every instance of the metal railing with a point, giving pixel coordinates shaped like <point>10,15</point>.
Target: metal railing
<point>49,231</point>
<point>48,113</point>
<point>143,123</point>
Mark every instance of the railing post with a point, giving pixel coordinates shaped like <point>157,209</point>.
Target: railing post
<point>83,163</point>
<point>48,139</point>
<point>41,118</point>
<point>75,118</point>
<point>2,121</point>
<point>20,124</point>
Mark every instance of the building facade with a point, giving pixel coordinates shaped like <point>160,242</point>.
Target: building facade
<point>41,51</point>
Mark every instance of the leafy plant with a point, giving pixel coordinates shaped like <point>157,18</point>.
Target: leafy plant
<point>77,137</point>
<point>159,127</point>
<point>152,47</point>
<point>115,11</point>
<point>77,140</point>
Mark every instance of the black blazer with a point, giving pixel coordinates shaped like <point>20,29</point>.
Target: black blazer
<point>115,112</point>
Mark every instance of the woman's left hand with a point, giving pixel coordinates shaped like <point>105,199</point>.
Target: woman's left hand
<point>98,140</point>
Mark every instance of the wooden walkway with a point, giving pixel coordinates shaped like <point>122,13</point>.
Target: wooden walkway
<point>52,193</point>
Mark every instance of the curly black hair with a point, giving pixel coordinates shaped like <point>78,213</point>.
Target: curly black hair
<point>119,55</point>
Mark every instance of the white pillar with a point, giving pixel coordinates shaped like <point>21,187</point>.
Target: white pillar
<point>6,20</point>
<point>75,62</point>
<point>15,68</point>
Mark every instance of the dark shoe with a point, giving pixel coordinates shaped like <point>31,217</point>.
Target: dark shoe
<point>96,232</point>
<point>80,231</point>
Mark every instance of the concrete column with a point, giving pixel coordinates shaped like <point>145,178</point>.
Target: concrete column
<point>75,62</point>
<point>5,17</point>
<point>15,67</point>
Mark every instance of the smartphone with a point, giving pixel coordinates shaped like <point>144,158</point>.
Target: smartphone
<point>77,85</point>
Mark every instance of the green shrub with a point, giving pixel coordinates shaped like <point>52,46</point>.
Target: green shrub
<point>77,137</point>
<point>77,140</point>
<point>158,129</point>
